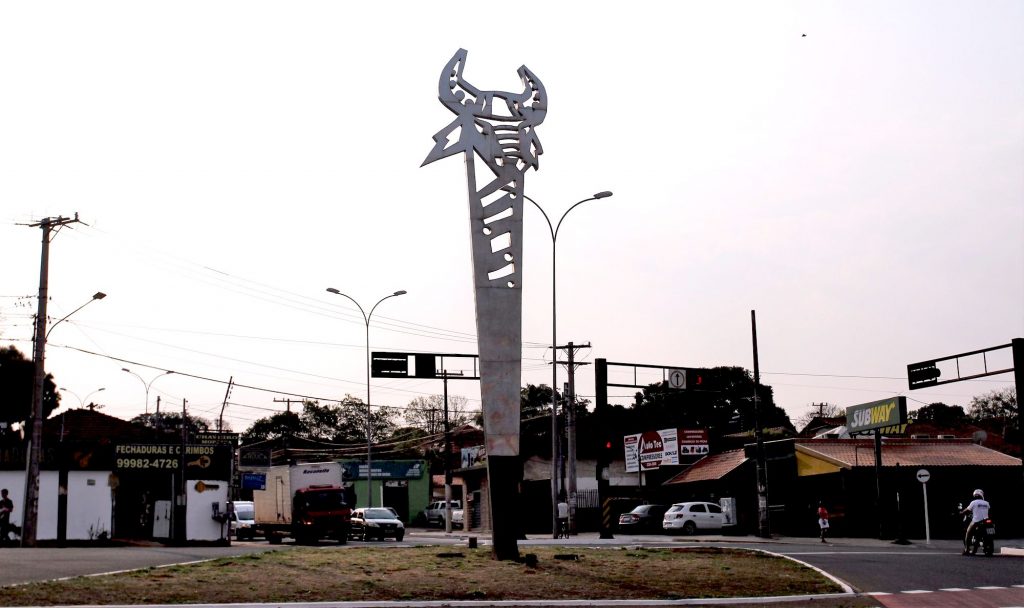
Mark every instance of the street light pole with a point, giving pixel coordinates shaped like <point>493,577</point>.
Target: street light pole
<point>553,229</point>
<point>369,442</point>
<point>30,522</point>
<point>167,373</point>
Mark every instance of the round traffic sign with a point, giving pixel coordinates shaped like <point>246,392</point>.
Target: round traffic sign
<point>677,378</point>
<point>923,475</point>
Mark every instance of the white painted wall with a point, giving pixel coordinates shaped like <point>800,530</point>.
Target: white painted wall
<point>88,505</point>
<point>199,522</point>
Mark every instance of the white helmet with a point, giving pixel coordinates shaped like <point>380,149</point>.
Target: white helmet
<point>979,494</point>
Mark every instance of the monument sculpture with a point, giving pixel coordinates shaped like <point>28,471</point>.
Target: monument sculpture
<point>496,133</point>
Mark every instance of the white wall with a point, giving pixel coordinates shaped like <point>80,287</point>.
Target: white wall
<point>199,522</point>
<point>88,505</point>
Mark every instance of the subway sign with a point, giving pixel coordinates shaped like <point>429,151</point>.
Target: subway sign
<point>888,416</point>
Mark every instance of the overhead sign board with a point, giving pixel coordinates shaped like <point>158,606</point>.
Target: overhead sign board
<point>923,374</point>
<point>888,416</point>
<point>423,365</point>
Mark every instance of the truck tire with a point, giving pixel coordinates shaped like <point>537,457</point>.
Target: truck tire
<point>274,539</point>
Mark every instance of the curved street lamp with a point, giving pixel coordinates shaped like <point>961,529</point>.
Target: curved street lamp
<point>145,384</point>
<point>31,519</point>
<point>369,443</point>
<point>553,228</point>
<point>81,402</point>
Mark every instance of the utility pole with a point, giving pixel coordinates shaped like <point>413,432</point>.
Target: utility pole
<point>570,428</point>
<point>287,402</point>
<point>29,526</point>
<point>220,421</point>
<point>448,459</point>
<point>763,524</point>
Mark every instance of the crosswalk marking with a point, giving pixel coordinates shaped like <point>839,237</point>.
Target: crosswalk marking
<point>912,591</point>
<point>954,589</point>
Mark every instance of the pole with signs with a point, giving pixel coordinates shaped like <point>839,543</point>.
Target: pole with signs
<point>923,476</point>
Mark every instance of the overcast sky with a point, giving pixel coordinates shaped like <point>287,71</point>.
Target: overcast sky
<point>854,172</point>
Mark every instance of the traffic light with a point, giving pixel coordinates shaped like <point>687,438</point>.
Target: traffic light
<point>920,375</point>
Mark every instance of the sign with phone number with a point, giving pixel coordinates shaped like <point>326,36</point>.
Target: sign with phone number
<point>200,461</point>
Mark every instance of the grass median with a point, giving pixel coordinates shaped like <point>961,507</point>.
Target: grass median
<point>436,573</point>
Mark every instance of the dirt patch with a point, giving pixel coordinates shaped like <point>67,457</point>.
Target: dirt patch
<point>419,573</point>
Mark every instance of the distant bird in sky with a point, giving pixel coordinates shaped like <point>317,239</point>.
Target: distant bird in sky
<point>803,35</point>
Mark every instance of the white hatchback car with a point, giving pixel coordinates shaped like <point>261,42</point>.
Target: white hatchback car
<point>692,516</point>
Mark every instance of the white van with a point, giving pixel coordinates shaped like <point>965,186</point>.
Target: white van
<point>243,519</point>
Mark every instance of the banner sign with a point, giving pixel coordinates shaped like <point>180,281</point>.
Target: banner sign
<point>473,456</point>
<point>384,469</point>
<point>888,416</point>
<point>693,442</point>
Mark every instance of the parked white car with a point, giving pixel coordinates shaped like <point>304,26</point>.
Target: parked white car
<point>434,513</point>
<point>458,518</point>
<point>689,517</point>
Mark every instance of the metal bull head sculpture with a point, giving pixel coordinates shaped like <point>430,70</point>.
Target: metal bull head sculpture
<point>499,129</point>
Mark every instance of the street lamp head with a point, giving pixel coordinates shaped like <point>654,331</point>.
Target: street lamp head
<point>125,369</point>
<point>333,290</point>
<point>99,295</point>
<point>100,389</point>
<point>604,194</point>
<point>400,293</point>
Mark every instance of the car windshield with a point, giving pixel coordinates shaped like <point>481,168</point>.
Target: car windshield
<point>378,513</point>
<point>245,513</point>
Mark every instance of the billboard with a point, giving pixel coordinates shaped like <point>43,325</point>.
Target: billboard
<point>886,415</point>
<point>655,449</point>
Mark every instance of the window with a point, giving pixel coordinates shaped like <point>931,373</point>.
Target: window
<point>698,508</point>
<point>714,509</point>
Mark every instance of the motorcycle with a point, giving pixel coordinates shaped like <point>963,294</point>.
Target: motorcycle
<point>983,535</point>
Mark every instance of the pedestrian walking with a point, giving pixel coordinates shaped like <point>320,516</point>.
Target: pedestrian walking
<point>6,507</point>
<point>822,520</point>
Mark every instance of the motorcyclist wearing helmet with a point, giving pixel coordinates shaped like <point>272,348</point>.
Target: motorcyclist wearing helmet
<point>979,512</point>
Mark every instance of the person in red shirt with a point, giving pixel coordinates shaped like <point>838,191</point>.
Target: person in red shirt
<point>822,520</point>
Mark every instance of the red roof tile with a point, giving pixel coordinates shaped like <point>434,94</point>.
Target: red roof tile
<point>711,467</point>
<point>906,452</point>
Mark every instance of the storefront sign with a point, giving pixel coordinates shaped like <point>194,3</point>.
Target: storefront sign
<point>199,461</point>
<point>384,469</point>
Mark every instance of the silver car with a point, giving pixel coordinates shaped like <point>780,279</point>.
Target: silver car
<point>689,517</point>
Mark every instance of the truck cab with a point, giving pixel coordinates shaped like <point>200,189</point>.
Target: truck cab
<point>320,511</point>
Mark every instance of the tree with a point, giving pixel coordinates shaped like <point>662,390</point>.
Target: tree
<point>940,414</point>
<point>277,426</point>
<point>427,413</point>
<point>999,403</point>
<point>726,406</point>
<point>171,422</point>
<point>17,376</point>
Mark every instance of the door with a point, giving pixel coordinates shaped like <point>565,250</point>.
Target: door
<point>715,517</point>
<point>162,519</point>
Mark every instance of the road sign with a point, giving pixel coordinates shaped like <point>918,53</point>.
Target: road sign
<point>677,378</point>
<point>923,475</point>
